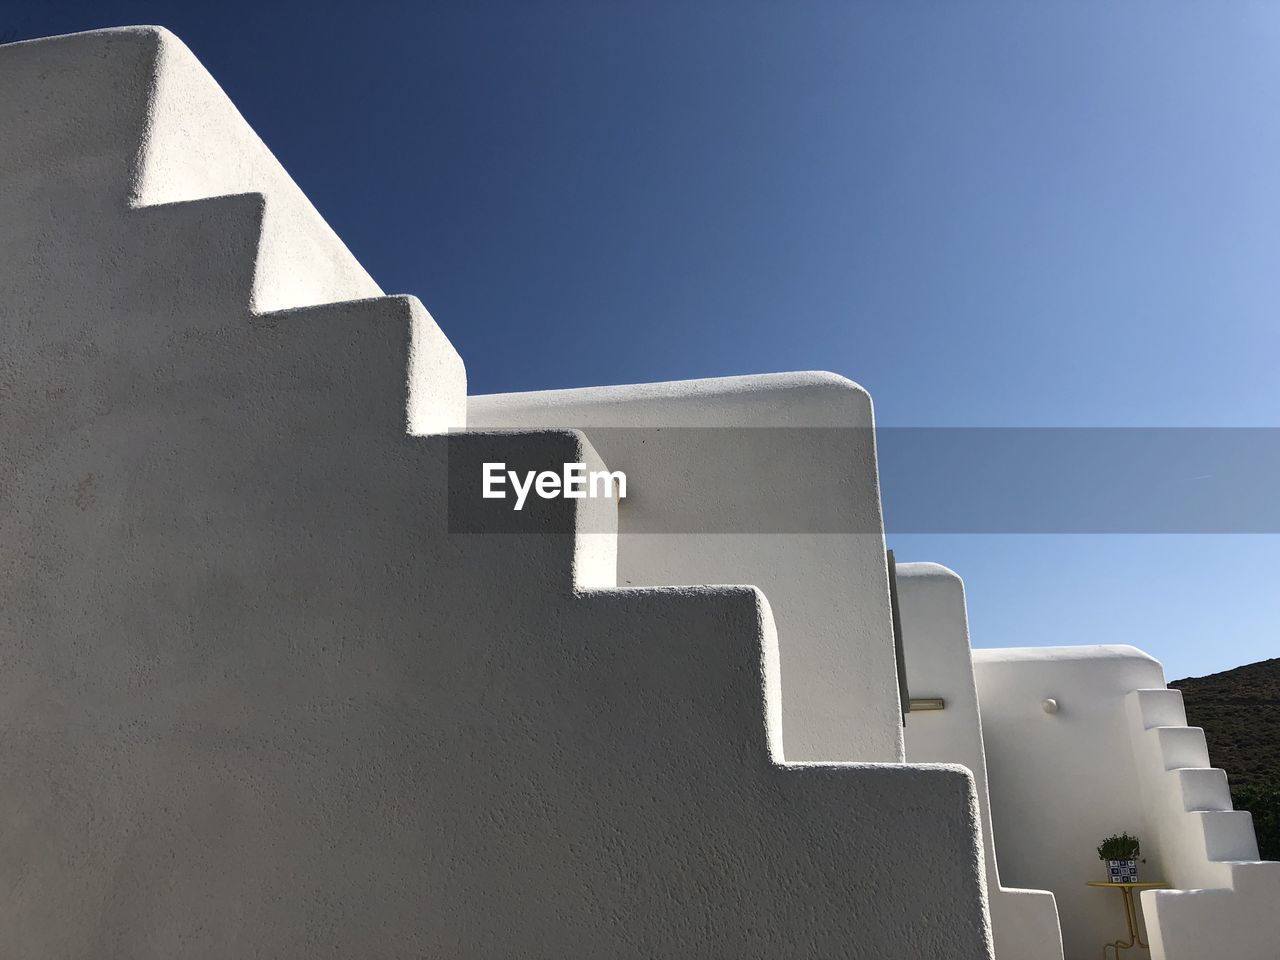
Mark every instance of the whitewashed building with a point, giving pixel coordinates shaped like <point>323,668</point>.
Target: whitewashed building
<point>276,680</point>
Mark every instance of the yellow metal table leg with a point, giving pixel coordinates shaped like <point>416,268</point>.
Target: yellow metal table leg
<point>1131,918</point>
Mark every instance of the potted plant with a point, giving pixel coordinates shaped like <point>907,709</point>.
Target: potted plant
<point>1120,853</point>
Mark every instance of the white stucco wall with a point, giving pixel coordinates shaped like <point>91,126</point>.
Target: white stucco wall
<point>1117,755</point>
<point>258,699</point>
<point>131,116</point>
<point>198,145</point>
<point>939,663</point>
<point>788,461</point>
<point>1062,782</point>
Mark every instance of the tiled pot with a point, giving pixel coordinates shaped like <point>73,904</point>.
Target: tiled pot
<point>1122,871</point>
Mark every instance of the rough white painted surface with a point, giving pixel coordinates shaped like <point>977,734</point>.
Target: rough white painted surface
<point>935,631</point>
<point>129,115</point>
<point>829,591</point>
<point>198,145</point>
<point>258,701</point>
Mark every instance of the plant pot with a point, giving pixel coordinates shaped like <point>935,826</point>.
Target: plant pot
<point>1122,871</point>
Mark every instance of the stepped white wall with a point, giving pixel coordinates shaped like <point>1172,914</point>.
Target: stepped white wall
<point>1223,896</point>
<point>1062,782</point>
<point>130,116</point>
<point>935,630</point>
<point>258,699</point>
<point>1118,755</point>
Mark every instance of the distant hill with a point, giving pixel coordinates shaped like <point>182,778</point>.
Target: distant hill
<point>1240,712</point>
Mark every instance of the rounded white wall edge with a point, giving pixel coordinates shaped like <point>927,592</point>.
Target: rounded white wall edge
<point>1116,651</point>
<point>830,401</point>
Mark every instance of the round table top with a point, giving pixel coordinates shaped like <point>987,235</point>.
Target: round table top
<point>1131,886</point>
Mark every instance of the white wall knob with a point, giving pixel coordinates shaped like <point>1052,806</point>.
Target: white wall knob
<point>1050,705</point>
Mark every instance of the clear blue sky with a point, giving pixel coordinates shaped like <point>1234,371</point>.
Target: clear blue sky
<point>988,214</point>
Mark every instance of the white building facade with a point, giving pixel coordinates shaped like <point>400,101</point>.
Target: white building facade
<point>277,681</point>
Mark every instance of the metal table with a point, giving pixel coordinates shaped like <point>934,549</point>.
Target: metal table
<point>1130,914</point>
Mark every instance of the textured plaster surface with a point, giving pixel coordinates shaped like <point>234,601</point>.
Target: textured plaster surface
<point>258,699</point>
<point>935,628</point>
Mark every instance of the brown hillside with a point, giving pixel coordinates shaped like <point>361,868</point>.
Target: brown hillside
<point>1240,712</point>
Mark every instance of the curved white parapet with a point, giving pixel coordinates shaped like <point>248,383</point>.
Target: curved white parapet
<point>769,480</point>
<point>935,631</point>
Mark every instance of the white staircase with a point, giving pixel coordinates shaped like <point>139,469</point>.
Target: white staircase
<point>1207,851</point>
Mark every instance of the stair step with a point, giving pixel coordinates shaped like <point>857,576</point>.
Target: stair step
<point>1255,874</point>
<point>209,246</point>
<point>1160,707</point>
<point>417,354</point>
<point>1182,747</point>
<point>1228,834</point>
<point>1204,789</point>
